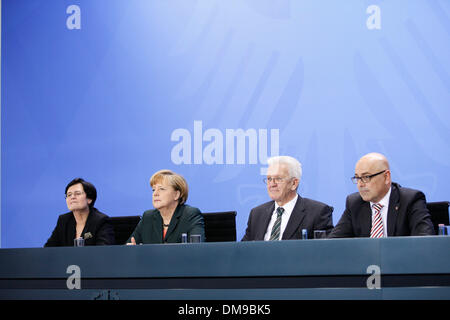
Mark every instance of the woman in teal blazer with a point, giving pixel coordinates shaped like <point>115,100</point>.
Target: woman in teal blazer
<point>171,216</point>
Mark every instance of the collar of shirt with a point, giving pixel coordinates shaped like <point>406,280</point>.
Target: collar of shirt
<point>288,208</point>
<point>384,210</point>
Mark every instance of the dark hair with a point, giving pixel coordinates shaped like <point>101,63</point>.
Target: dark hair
<point>89,189</point>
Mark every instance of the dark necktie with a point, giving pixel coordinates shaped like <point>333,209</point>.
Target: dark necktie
<point>275,234</point>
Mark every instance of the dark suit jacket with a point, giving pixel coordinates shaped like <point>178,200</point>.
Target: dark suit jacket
<point>307,214</point>
<point>407,215</point>
<point>185,219</point>
<point>102,233</point>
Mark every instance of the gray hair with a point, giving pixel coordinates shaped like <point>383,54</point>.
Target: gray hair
<point>294,166</point>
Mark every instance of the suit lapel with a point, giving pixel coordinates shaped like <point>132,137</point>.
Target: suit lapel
<point>366,219</point>
<point>174,221</point>
<point>394,205</point>
<point>87,225</point>
<point>296,219</point>
<point>157,227</point>
<point>265,218</point>
<point>71,232</point>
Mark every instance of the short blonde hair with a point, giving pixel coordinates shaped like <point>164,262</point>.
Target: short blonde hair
<point>176,181</point>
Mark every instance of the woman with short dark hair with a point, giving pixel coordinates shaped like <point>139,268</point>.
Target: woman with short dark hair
<point>83,221</point>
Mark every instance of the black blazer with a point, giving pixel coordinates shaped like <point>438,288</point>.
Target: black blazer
<point>307,214</point>
<point>97,230</point>
<point>407,215</point>
<point>185,219</point>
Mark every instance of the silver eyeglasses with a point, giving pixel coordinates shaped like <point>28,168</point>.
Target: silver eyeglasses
<point>76,194</point>
<point>275,180</point>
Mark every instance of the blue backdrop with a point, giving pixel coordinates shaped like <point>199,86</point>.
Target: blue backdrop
<point>113,90</point>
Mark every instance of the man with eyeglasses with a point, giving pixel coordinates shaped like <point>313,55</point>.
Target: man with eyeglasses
<point>382,208</point>
<point>287,214</point>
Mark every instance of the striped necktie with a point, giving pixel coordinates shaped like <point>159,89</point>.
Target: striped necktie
<point>275,234</point>
<point>377,222</point>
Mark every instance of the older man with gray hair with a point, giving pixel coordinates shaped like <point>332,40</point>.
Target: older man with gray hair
<point>287,214</point>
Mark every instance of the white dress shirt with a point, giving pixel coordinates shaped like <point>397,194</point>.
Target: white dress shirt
<point>288,208</point>
<point>384,211</point>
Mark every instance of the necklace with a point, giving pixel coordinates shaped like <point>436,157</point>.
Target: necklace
<point>165,225</point>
